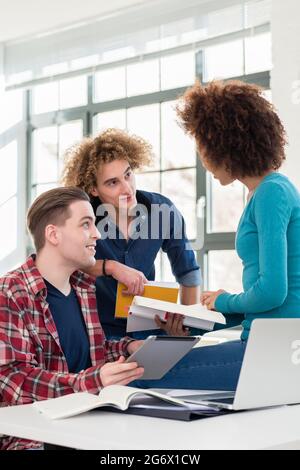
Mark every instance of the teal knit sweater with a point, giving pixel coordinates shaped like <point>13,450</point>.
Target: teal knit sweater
<point>268,243</point>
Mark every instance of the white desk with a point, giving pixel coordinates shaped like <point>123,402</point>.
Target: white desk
<point>259,429</point>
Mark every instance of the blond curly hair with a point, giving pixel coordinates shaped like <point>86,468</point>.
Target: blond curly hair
<point>82,160</point>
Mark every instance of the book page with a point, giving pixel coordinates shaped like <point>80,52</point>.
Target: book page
<point>73,404</point>
<point>68,405</point>
<point>143,318</point>
<point>197,311</point>
<point>121,395</point>
<point>152,403</point>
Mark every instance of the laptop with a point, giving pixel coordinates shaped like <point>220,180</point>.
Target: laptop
<point>270,373</point>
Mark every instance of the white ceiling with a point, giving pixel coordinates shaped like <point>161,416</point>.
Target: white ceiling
<point>24,18</point>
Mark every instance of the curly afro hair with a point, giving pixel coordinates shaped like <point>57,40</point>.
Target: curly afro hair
<point>83,159</point>
<point>235,125</point>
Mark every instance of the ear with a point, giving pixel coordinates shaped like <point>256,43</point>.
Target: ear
<point>52,234</point>
<point>94,192</point>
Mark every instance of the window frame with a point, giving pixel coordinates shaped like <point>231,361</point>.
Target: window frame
<point>212,241</point>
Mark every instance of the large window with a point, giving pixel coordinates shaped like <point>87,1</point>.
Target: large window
<point>146,109</point>
<point>8,199</point>
<point>140,96</point>
<point>223,205</point>
<point>12,180</point>
<point>48,146</point>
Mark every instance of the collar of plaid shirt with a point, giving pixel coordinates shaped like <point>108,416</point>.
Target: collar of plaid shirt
<point>37,286</point>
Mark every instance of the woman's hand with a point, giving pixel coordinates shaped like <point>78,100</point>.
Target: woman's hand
<point>133,279</point>
<point>208,298</point>
<point>119,372</point>
<point>173,325</point>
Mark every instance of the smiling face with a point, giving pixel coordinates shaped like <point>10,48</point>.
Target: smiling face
<point>76,239</point>
<point>219,173</point>
<point>116,185</point>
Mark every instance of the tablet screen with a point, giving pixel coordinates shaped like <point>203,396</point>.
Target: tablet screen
<point>158,354</point>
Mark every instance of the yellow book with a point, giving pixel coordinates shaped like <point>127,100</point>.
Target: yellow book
<point>167,291</point>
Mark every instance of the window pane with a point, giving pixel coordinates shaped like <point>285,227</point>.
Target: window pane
<point>45,97</point>
<point>268,95</point>
<point>224,271</point>
<point>12,103</point>
<point>41,188</point>
<point>103,121</point>
<point>177,70</point>
<point>258,53</point>
<point>143,78</point>
<point>177,149</point>
<point>144,122</point>
<point>69,134</point>
<point>45,161</point>
<point>73,92</point>
<point>227,204</point>
<point>183,198</point>
<point>9,173</point>
<point>223,60</point>
<point>8,232</point>
<point>148,182</point>
<point>110,84</point>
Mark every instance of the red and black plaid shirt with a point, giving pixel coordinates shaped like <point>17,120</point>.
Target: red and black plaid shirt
<point>32,364</point>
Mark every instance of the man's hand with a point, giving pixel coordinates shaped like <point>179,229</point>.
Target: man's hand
<point>119,373</point>
<point>208,298</point>
<point>133,279</point>
<point>173,325</point>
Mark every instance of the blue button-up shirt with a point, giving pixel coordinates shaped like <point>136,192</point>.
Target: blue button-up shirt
<point>157,225</point>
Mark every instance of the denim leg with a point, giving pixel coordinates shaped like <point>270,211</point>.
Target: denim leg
<point>207,368</point>
<point>232,319</point>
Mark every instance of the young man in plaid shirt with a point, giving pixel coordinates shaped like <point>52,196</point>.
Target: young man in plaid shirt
<point>51,341</point>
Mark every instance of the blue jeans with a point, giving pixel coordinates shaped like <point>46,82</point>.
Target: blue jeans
<point>232,319</point>
<point>206,368</point>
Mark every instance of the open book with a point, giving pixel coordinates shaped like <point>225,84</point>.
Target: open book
<point>167,291</point>
<point>118,396</point>
<point>143,310</point>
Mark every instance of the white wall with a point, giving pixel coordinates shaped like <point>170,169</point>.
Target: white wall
<point>1,68</point>
<point>285,77</point>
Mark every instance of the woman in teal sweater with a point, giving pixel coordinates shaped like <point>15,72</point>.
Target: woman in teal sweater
<point>240,137</point>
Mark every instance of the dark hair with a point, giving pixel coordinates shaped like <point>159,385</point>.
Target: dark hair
<point>51,207</point>
<point>237,127</point>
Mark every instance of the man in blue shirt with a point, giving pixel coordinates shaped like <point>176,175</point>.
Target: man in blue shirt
<point>140,251</point>
<point>134,226</point>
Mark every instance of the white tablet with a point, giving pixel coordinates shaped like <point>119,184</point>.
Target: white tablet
<point>158,354</point>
